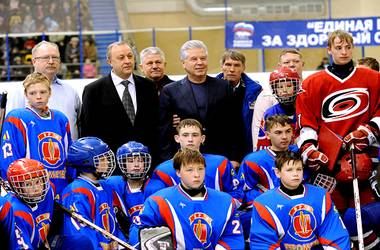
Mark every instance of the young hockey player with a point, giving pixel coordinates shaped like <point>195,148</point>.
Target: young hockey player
<point>295,215</point>
<point>285,84</point>
<point>134,161</point>
<point>32,200</point>
<point>37,132</point>
<point>220,174</point>
<point>89,197</point>
<point>198,217</point>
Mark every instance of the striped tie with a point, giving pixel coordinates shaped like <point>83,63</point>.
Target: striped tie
<point>127,102</point>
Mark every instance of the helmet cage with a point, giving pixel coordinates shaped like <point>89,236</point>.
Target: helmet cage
<point>130,158</point>
<point>25,185</point>
<point>279,83</point>
<point>105,164</point>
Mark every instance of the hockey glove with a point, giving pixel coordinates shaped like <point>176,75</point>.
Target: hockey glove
<point>361,138</point>
<point>374,185</point>
<point>313,158</point>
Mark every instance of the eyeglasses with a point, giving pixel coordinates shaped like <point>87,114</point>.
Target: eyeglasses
<point>47,58</point>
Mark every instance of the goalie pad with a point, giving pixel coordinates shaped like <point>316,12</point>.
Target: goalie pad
<point>363,168</point>
<point>325,181</point>
<point>156,238</point>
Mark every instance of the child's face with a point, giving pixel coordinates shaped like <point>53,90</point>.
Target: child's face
<point>34,188</point>
<point>280,136</point>
<point>38,95</point>
<point>135,164</point>
<point>192,175</point>
<point>291,174</point>
<point>190,137</point>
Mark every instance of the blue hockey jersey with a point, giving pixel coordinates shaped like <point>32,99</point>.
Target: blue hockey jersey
<point>92,200</point>
<point>9,237</point>
<point>131,201</point>
<point>306,221</point>
<point>195,223</point>
<point>220,175</point>
<point>32,223</point>
<point>256,173</point>
<point>46,139</point>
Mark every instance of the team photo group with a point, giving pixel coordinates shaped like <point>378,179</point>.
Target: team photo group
<point>146,162</point>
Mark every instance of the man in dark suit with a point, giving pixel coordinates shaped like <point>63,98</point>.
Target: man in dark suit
<point>120,107</point>
<point>201,97</point>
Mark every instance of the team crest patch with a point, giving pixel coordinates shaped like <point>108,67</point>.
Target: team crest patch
<point>303,223</point>
<point>345,104</point>
<point>50,149</point>
<point>201,225</point>
<point>108,221</point>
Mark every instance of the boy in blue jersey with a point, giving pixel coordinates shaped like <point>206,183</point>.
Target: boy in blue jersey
<point>295,215</point>
<point>134,161</point>
<point>32,200</point>
<point>220,174</point>
<point>256,173</point>
<point>198,217</point>
<point>90,197</point>
<point>37,132</point>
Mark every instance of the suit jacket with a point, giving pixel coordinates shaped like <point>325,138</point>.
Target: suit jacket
<point>177,98</point>
<point>103,114</point>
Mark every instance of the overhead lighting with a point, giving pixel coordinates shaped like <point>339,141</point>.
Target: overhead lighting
<point>217,9</point>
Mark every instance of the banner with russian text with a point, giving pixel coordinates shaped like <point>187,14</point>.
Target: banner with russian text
<point>299,33</point>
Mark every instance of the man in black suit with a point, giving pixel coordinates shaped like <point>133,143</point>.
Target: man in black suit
<point>120,107</point>
<point>201,97</point>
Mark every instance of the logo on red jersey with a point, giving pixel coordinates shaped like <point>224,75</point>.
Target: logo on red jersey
<point>345,104</point>
<point>50,149</point>
<point>201,225</point>
<point>303,222</point>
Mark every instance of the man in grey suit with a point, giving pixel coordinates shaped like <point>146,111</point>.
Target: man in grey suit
<point>121,106</point>
<point>201,97</point>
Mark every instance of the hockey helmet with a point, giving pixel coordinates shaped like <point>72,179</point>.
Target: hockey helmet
<point>285,84</point>
<point>28,179</point>
<point>363,168</point>
<point>134,160</point>
<point>91,155</point>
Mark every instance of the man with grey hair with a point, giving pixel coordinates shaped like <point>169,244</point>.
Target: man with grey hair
<point>153,66</point>
<point>121,106</point>
<point>201,97</point>
<point>46,60</point>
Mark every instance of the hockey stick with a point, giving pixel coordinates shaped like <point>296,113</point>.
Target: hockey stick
<point>358,213</point>
<point>79,217</point>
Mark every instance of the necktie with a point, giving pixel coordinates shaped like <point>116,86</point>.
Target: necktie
<point>127,102</point>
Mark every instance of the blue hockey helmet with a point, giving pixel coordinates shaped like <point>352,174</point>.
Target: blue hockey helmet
<point>91,155</point>
<point>134,160</point>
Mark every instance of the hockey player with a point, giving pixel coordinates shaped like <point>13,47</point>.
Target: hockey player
<point>291,58</point>
<point>189,210</point>
<point>257,169</point>
<point>220,174</point>
<point>89,197</point>
<point>345,100</point>
<point>285,84</point>
<point>296,216</point>
<point>32,200</point>
<point>37,132</point>
<point>134,161</point>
